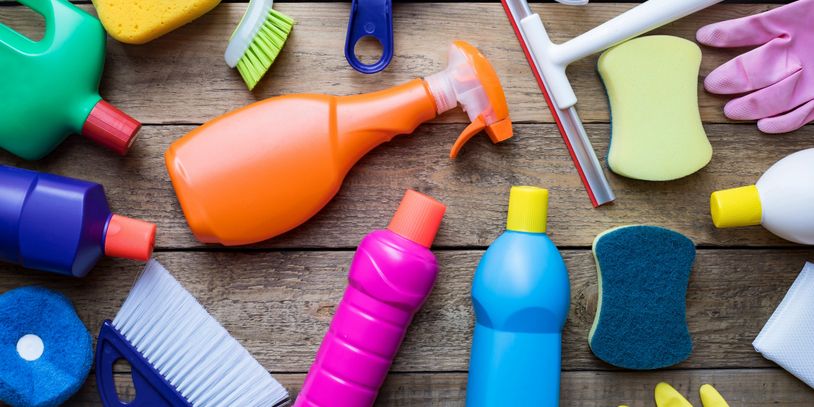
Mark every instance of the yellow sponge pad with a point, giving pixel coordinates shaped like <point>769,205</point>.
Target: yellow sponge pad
<point>140,21</point>
<point>656,130</point>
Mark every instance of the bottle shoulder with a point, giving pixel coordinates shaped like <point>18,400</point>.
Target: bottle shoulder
<point>786,192</point>
<point>520,265</point>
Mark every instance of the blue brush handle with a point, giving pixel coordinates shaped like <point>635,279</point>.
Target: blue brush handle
<point>152,390</point>
<point>370,18</point>
<point>514,369</point>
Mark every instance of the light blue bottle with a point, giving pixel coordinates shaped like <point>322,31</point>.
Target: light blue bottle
<point>521,297</point>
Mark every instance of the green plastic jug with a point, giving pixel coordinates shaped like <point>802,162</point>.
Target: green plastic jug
<point>49,88</point>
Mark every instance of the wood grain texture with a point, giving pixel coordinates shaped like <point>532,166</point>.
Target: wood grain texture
<point>182,78</point>
<point>475,186</point>
<point>741,388</point>
<point>279,304</point>
<point>278,297</point>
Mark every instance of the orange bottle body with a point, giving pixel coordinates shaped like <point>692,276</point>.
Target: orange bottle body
<point>264,169</point>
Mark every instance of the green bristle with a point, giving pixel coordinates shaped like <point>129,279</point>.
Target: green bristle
<point>264,48</point>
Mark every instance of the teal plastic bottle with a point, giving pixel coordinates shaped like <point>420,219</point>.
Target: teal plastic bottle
<point>521,297</point>
<point>50,88</point>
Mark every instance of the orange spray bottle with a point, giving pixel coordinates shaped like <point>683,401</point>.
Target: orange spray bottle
<point>266,168</point>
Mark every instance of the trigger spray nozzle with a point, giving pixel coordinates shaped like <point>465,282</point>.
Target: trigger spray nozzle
<point>470,80</point>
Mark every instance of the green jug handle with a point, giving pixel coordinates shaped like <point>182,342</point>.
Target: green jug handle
<point>15,41</point>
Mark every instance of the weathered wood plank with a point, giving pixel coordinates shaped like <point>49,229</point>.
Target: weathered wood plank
<point>182,78</point>
<point>742,388</point>
<point>475,186</point>
<point>278,304</point>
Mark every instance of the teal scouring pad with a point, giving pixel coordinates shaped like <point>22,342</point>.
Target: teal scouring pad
<point>45,350</point>
<point>640,318</point>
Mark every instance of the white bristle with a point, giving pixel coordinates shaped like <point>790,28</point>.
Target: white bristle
<point>190,349</point>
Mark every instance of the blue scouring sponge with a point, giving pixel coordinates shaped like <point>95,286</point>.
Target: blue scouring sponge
<point>45,350</point>
<point>641,318</point>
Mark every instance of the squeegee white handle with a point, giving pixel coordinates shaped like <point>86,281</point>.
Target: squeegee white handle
<point>638,20</point>
<point>552,59</point>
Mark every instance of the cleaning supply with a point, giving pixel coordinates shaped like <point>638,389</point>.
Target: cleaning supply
<point>781,200</point>
<point>64,225</point>
<point>667,396</point>
<point>288,155</point>
<point>774,82</point>
<point>370,18</point>
<point>53,84</point>
<point>656,130</point>
<point>45,350</point>
<point>391,276</point>
<point>179,354</point>
<point>521,297</point>
<point>548,62</point>
<point>257,41</point>
<point>788,337</point>
<point>640,321</point>
<point>141,21</point>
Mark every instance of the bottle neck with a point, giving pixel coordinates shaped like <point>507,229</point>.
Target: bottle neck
<point>367,120</point>
<point>442,90</point>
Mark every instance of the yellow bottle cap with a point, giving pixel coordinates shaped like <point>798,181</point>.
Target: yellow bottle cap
<point>736,207</point>
<point>528,209</point>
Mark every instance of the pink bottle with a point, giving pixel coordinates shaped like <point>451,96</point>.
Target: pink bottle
<point>390,278</point>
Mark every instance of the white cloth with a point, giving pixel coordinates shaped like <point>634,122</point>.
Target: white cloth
<point>788,338</point>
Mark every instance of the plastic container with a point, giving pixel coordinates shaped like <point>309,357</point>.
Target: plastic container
<point>391,276</point>
<point>54,85</point>
<point>521,297</point>
<point>782,200</point>
<point>281,160</point>
<point>64,225</point>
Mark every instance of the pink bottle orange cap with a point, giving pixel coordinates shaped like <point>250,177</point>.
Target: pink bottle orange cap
<point>111,127</point>
<point>129,238</point>
<point>418,218</point>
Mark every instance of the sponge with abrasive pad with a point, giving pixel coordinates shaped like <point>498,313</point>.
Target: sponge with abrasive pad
<point>652,86</point>
<point>640,318</point>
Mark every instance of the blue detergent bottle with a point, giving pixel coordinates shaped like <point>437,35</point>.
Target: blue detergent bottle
<point>64,225</point>
<point>521,297</point>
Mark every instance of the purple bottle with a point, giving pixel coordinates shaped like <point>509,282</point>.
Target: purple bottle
<point>64,225</point>
<point>391,276</point>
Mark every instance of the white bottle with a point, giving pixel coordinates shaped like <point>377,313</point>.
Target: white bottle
<point>782,200</point>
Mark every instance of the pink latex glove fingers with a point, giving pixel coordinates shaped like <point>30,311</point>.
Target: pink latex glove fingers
<point>754,70</point>
<point>790,121</point>
<point>747,31</point>
<point>779,73</point>
<point>773,100</point>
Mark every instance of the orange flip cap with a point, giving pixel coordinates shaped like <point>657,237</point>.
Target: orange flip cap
<point>471,81</point>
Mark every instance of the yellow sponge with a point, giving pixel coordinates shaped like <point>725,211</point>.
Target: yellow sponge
<point>140,21</point>
<point>656,130</point>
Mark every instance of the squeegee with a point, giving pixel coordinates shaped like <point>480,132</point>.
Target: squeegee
<point>548,62</point>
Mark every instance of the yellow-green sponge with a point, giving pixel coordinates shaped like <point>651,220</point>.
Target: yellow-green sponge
<point>656,130</point>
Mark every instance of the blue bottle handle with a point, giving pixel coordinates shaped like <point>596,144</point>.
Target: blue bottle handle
<point>370,18</point>
<point>151,388</point>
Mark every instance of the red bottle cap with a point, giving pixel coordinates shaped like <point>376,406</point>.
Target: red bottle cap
<point>129,238</point>
<point>111,127</point>
<point>418,218</point>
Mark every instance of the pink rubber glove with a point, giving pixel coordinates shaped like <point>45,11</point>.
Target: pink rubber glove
<point>777,77</point>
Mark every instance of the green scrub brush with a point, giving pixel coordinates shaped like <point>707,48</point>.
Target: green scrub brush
<point>257,41</point>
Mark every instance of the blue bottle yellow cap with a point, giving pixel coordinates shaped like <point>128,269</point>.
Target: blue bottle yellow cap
<point>528,209</point>
<point>736,207</point>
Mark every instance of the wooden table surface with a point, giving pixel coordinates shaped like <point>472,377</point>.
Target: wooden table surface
<point>278,297</point>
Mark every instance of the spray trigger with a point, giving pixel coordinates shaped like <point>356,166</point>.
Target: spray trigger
<point>470,80</point>
<point>498,131</point>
